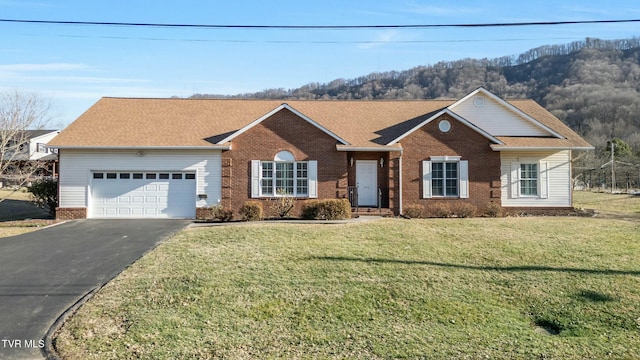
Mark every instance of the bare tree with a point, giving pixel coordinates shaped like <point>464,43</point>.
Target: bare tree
<point>20,112</point>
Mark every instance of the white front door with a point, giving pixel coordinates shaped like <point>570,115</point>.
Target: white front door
<point>367,182</point>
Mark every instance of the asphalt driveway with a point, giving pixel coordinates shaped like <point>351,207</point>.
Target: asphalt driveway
<point>47,271</point>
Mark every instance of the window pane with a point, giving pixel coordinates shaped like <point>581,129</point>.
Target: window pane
<point>452,170</point>
<point>137,175</point>
<point>164,176</point>
<point>111,175</point>
<point>284,178</point>
<point>98,175</point>
<point>267,178</point>
<point>125,175</point>
<point>437,188</point>
<point>452,187</point>
<point>436,171</point>
<point>190,176</point>
<point>529,179</point>
<point>177,176</point>
<point>151,176</point>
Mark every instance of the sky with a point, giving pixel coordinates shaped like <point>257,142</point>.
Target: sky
<point>73,66</point>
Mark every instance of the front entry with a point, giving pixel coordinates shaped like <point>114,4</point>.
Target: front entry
<point>367,182</point>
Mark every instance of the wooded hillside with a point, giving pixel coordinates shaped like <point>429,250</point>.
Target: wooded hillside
<point>592,85</point>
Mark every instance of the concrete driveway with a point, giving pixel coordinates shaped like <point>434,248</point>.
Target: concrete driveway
<point>43,273</point>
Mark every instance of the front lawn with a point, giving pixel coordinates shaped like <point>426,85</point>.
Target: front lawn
<point>539,287</point>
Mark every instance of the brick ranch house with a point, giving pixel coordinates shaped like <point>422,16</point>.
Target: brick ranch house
<point>176,158</point>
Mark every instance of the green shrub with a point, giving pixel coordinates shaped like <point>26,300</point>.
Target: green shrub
<point>45,194</point>
<point>251,211</point>
<point>327,209</point>
<point>221,214</point>
<point>414,211</point>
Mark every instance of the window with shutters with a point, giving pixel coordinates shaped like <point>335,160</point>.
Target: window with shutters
<point>445,176</point>
<point>283,176</point>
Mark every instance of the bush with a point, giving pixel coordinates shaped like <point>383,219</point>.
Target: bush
<point>251,211</point>
<point>438,210</point>
<point>493,210</point>
<point>221,214</point>
<point>464,210</point>
<point>45,194</point>
<point>284,204</point>
<point>414,211</point>
<point>328,209</point>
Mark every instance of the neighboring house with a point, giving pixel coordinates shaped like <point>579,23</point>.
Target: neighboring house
<point>178,157</point>
<point>28,150</point>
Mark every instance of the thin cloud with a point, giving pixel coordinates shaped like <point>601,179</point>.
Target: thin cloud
<point>42,67</point>
<point>381,38</point>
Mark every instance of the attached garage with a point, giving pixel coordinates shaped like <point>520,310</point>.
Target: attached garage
<point>134,183</point>
<point>138,194</point>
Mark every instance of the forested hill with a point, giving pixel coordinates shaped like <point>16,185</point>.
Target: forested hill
<point>592,85</point>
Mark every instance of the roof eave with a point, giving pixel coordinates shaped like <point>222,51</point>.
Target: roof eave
<point>132,147</point>
<point>497,147</point>
<point>368,148</point>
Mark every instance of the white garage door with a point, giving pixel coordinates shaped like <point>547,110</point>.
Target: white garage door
<point>130,194</point>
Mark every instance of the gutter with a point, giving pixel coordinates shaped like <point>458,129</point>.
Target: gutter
<point>539,148</point>
<point>214,147</point>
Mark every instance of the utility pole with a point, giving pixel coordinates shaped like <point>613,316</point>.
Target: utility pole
<point>613,170</point>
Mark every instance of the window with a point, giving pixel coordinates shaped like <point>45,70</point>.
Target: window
<point>444,179</point>
<point>111,175</point>
<point>125,175</point>
<point>151,176</point>
<point>98,175</point>
<point>189,176</point>
<point>445,176</point>
<point>176,176</point>
<point>529,179</point>
<point>164,176</point>
<point>283,178</point>
<point>137,175</point>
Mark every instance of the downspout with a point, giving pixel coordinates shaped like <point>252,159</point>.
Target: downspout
<point>400,184</point>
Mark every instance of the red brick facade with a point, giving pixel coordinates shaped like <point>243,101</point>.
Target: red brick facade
<point>463,141</point>
<point>71,213</point>
<point>283,131</point>
<point>336,169</point>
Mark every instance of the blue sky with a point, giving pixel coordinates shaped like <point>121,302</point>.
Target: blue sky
<point>75,65</point>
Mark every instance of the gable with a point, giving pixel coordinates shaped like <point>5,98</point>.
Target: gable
<point>498,117</point>
<point>280,108</point>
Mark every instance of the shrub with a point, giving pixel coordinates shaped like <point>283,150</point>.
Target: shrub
<point>251,211</point>
<point>464,210</point>
<point>328,209</point>
<point>45,194</point>
<point>414,211</point>
<point>284,204</point>
<point>221,214</point>
<point>494,210</point>
<point>438,210</point>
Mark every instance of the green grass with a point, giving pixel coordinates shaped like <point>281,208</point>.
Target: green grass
<point>618,205</point>
<point>440,288</point>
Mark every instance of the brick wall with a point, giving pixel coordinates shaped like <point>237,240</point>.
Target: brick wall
<point>282,131</point>
<point>71,213</point>
<point>484,163</point>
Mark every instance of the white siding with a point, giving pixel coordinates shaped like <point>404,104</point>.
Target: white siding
<point>496,119</point>
<point>76,167</point>
<point>558,179</point>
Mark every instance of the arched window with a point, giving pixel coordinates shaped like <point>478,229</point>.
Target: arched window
<point>284,176</point>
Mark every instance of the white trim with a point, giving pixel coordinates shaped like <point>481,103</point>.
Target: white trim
<point>508,106</point>
<point>453,115</point>
<point>364,148</point>
<point>498,147</point>
<point>543,180</point>
<point>212,147</point>
<point>273,112</point>
<point>445,158</point>
<point>514,180</point>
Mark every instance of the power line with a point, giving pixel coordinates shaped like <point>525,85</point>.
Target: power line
<point>316,27</point>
